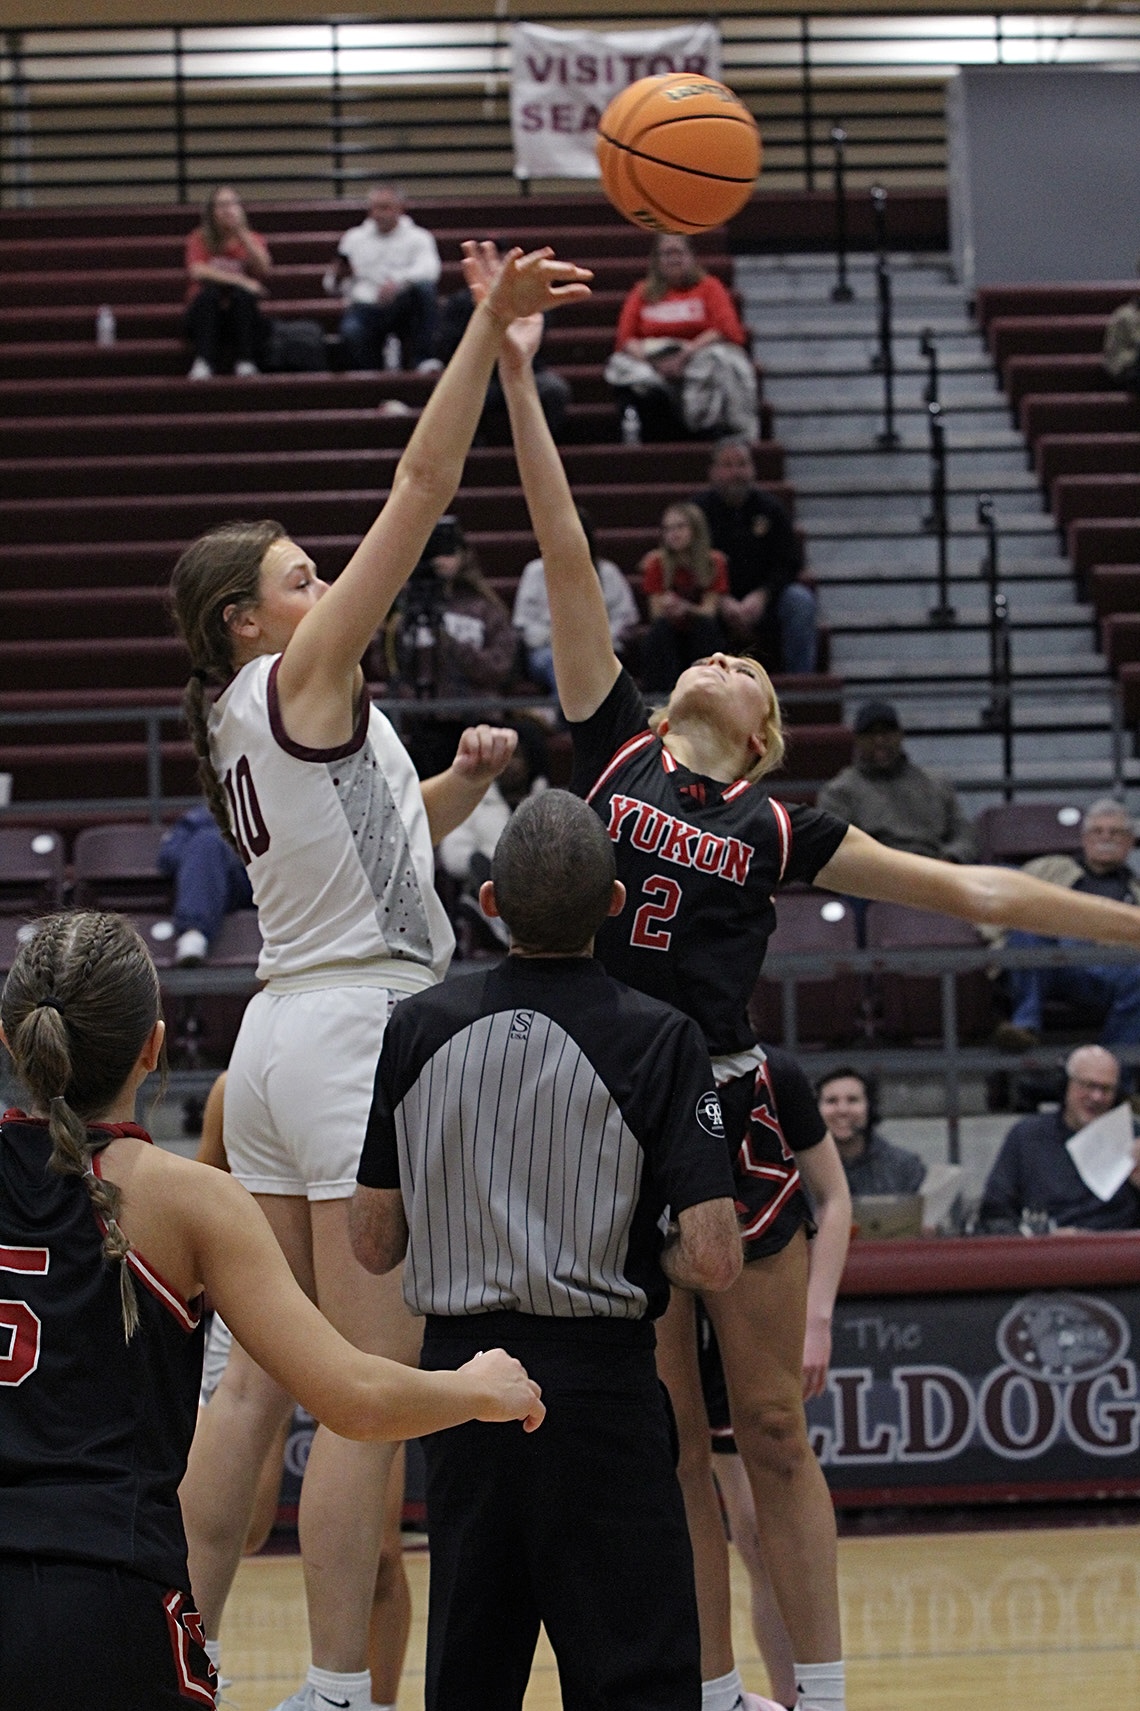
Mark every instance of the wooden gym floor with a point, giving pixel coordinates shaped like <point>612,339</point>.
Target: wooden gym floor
<point>933,1622</point>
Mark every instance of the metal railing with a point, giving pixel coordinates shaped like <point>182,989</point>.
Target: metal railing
<point>947,1058</point>
<point>158,802</point>
<point>164,112</point>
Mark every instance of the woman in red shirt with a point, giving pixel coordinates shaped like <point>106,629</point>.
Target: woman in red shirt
<point>228,266</point>
<point>681,352</point>
<point>682,580</point>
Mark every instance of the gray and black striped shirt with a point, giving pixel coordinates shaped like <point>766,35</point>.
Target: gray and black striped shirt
<point>538,1117</point>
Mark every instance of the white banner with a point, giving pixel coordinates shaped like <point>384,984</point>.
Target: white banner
<point>563,80</point>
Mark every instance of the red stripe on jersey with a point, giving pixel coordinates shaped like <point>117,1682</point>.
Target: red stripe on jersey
<point>25,1259</point>
<point>186,1315</point>
<point>783,830</point>
<point>184,1624</point>
<point>762,1220</point>
<point>668,761</point>
<point>735,790</point>
<point>626,752</point>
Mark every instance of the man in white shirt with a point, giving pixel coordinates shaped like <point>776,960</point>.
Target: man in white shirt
<point>387,270</point>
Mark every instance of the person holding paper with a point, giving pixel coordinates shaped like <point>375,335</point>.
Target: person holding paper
<point>1035,1177</point>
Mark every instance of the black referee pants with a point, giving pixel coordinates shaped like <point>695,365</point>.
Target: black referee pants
<point>578,1526</point>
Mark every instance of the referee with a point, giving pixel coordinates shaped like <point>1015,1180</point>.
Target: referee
<point>535,1128</point>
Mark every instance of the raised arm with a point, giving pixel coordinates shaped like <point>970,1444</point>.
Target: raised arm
<point>324,652</point>
<point>988,896</point>
<point>585,665</point>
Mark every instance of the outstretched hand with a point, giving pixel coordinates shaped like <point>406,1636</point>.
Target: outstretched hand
<point>483,752</point>
<point>510,1394</point>
<point>517,285</point>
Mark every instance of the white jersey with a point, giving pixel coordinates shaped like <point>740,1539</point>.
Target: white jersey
<point>336,842</point>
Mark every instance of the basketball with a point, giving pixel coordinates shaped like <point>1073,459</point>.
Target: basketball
<point>678,153</point>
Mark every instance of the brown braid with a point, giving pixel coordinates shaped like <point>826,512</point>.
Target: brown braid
<point>219,569</point>
<point>78,1004</point>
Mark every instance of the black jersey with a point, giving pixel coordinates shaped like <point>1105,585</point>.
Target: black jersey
<point>538,1118</point>
<point>699,860</point>
<point>94,1431</point>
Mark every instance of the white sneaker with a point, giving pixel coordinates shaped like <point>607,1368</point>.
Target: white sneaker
<point>307,1698</point>
<point>200,369</point>
<point>757,1702</point>
<point>245,369</point>
<point>430,365</point>
<point>191,948</point>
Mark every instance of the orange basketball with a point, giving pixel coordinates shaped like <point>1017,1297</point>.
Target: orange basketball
<point>678,153</point>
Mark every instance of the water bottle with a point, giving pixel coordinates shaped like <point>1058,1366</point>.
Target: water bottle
<point>105,325</point>
<point>424,658</point>
<point>392,355</point>
<point>630,427</point>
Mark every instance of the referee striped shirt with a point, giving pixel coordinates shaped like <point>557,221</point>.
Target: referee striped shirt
<point>538,1118</point>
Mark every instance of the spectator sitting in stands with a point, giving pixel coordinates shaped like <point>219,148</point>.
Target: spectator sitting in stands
<point>449,636</point>
<point>683,580</point>
<point>1035,1183</point>
<point>768,610</point>
<point>681,353</point>
<point>886,795</point>
<point>553,389</point>
<point>531,615</point>
<point>1107,839</point>
<point>1122,344</point>
<point>872,1163</point>
<point>209,882</point>
<point>228,265</point>
<point>387,267</point>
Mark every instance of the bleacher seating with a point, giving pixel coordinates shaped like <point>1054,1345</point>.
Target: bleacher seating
<point>1078,298</point>
<point>1084,438</point>
<point>110,460</point>
<point>1114,588</point>
<point>1085,454</point>
<point>1078,413</point>
<point>1013,833</point>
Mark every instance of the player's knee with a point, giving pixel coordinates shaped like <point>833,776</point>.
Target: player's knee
<point>773,1436</point>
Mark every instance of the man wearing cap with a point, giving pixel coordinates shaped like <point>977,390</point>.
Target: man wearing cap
<point>886,795</point>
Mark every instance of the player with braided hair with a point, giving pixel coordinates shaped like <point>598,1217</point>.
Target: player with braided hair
<point>336,831</point>
<point>99,1372</point>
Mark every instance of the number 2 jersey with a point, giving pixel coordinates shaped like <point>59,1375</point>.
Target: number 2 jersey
<point>94,1431</point>
<point>336,841</point>
<point>700,861</point>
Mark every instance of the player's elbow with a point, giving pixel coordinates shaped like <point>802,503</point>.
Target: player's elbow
<point>377,1230</point>
<point>708,1254</point>
<point>984,894</point>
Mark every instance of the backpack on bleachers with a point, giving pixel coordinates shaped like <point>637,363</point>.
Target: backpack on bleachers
<point>296,347</point>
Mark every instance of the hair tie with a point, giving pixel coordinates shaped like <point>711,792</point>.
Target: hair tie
<point>50,1003</point>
